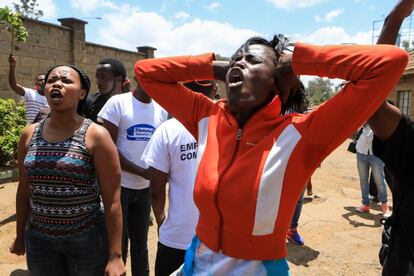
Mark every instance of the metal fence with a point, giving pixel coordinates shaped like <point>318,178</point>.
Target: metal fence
<point>406,32</point>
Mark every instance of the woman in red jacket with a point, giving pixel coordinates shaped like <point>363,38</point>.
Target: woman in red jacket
<point>253,162</point>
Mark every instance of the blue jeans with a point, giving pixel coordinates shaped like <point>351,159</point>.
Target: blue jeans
<point>83,255</point>
<point>364,163</point>
<point>136,208</point>
<point>298,211</point>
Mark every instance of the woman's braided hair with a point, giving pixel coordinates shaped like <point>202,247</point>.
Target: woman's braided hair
<point>280,44</point>
<point>84,79</point>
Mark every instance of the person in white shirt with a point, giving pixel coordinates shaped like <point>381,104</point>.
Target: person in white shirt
<point>366,160</point>
<point>131,119</point>
<point>34,99</point>
<point>171,155</point>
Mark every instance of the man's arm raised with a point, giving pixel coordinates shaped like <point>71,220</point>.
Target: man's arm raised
<point>12,77</point>
<point>385,120</point>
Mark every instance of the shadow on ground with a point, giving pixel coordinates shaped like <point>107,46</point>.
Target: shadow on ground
<point>368,216</point>
<point>377,207</point>
<point>7,220</point>
<point>315,199</point>
<point>20,272</point>
<point>301,255</point>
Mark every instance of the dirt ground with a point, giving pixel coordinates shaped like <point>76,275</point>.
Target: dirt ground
<point>338,241</point>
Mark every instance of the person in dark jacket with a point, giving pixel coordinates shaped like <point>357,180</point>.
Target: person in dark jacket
<point>394,144</point>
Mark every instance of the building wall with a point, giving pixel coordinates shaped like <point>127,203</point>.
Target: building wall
<point>95,53</point>
<point>406,83</point>
<point>46,45</point>
<point>50,44</point>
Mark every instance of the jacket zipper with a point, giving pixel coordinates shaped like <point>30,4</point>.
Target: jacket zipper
<point>217,190</point>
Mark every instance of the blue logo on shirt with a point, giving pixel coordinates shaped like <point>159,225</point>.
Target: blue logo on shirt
<point>141,132</point>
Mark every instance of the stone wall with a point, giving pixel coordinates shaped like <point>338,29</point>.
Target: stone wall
<point>95,53</point>
<point>50,44</point>
<point>46,45</point>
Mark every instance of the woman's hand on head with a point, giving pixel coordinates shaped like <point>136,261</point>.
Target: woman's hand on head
<point>220,69</point>
<point>287,81</point>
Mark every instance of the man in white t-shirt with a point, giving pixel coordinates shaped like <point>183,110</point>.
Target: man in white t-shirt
<point>131,119</point>
<point>34,99</point>
<point>171,155</point>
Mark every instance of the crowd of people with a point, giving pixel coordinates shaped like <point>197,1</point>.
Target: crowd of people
<point>92,165</point>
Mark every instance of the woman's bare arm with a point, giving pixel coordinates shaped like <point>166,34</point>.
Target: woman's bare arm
<point>108,170</point>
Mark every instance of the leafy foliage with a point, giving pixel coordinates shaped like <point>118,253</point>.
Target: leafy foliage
<point>13,24</point>
<point>218,57</point>
<point>221,86</point>
<point>320,90</point>
<point>12,122</point>
<point>406,45</point>
<point>28,8</point>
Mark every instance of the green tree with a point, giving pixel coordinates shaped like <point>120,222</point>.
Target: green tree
<point>12,23</point>
<point>218,57</point>
<point>221,86</point>
<point>28,8</point>
<point>320,90</point>
<point>406,45</point>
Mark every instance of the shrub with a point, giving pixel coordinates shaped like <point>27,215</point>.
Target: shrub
<point>13,23</point>
<point>12,122</point>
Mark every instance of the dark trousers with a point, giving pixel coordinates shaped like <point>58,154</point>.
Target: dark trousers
<point>168,260</point>
<point>85,254</point>
<point>136,207</point>
<point>298,211</point>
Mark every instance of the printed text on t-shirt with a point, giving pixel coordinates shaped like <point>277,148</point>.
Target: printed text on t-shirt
<point>140,132</point>
<point>189,151</point>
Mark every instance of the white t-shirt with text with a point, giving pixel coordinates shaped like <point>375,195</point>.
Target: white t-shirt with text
<point>173,150</point>
<point>136,122</point>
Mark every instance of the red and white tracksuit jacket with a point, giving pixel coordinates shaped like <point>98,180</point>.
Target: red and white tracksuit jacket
<point>249,179</point>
